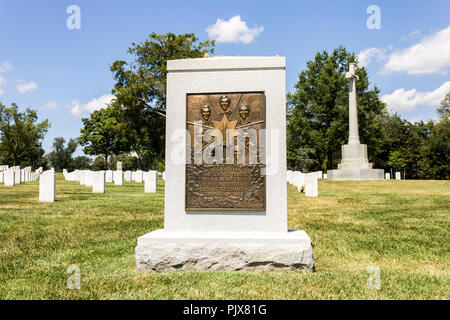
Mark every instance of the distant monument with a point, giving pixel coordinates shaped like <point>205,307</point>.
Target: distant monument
<point>354,164</point>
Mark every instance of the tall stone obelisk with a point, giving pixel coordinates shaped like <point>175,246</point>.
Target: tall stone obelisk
<point>355,164</point>
<point>353,136</point>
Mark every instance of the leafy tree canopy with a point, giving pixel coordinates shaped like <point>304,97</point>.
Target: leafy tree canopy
<point>61,156</point>
<point>105,133</point>
<point>140,89</point>
<point>21,136</point>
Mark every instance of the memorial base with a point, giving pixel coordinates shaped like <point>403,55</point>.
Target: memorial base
<point>162,251</point>
<point>356,174</point>
<point>355,165</point>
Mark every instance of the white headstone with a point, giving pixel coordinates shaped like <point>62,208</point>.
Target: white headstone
<point>89,180</point>
<point>311,185</point>
<point>387,175</point>
<point>1,177</point>
<point>151,181</point>
<point>98,182</point>
<point>17,177</point>
<point>127,176</point>
<point>83,177</point>
<point>9,178</point>
<point>300,180</point>
<point>119,166</point>
<point>289,176</point>
<point>325,176</point>
<point>109,176</point>
<point>398,176</point>
<point>139,176</point>
<point>47,186</point>
<point>319,175</point>
<point>118,178</point>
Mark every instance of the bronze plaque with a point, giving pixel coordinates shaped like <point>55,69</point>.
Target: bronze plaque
<point>224,169</point>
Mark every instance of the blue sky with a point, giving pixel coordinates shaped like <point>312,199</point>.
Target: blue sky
<point>64,73</point>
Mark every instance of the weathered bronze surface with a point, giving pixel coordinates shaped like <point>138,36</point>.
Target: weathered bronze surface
<point>215,186</point>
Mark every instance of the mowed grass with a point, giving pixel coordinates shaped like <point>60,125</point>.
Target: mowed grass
<point>402,227</point>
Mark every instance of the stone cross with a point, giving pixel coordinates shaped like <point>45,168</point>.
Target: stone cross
<point>353,136</point>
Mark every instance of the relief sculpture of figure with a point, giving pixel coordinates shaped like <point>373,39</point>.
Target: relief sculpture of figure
<point>224,103</point>
<point>244,112</point>
<point>206,113</point>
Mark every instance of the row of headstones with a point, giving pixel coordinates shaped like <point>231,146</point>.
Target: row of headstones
<point>398,176</point>
<point>97,179</point>
<point>14,175</point>
<point>305,182</point>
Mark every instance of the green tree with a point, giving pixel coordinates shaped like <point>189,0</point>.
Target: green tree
<point>444,109</point>
<point>436,149</point>
<point>99,164</point>
<point>397,161</point>
<point>61,156</point>
<point>140,89</point>
<point>129,162</point>
<point>104,133</point>
<point>82,163</point>
<point>21,136</point>
<point>318,111</point>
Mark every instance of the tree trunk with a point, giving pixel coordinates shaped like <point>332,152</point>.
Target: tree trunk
<point>330,160</point>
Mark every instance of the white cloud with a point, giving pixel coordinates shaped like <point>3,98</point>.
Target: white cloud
<point>234,30</point>
<point>50,105</point>
<point>77,109</point>
<point>5,66</point>
<point>1,92</point>
<point>24,87</point>
<point>430,55</point>
<point>412,35</point>
<point>423,118</point>
<point>408,100</point>
<point>367,55</point>
<point>3,81</point>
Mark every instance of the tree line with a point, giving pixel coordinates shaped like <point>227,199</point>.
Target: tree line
<point>131,128</point>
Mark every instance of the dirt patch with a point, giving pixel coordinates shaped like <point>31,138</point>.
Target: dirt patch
<point>322,202</point>
<point>58,196</point>
<point>15,206</point>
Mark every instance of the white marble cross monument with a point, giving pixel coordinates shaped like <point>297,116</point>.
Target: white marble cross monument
<point>355,164</point>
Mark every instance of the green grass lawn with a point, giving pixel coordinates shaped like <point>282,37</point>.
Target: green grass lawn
<point>400,226</point>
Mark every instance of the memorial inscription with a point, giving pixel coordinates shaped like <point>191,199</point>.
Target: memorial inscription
<point>224,171</point>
